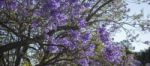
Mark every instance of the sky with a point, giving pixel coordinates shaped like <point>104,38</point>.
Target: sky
<point>144,36</point>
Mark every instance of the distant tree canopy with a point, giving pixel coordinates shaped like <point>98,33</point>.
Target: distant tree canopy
<point>144,56</point>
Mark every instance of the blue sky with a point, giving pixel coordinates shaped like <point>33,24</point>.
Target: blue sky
<point>136,9</point>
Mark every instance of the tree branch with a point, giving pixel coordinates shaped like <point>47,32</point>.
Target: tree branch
<point>91,15</point>
<point>15,45</point>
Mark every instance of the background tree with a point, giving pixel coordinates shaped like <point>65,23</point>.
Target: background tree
<point>144,56</point>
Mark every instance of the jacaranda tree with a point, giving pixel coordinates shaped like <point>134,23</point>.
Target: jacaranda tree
<point>62,33</point>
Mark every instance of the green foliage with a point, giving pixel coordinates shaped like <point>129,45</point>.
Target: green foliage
<point>144,56</point>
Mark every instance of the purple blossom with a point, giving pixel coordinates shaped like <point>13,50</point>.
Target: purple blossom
<point>46,37</point>
<point>75,34</point>
<point>54,13</point>
<point>72,1</point>
<point>112,53</point>
<point>91,47</point>
<point>36,13</point>
<point>45,30</point>
<point>29,2</point>
<point>76,10</point>
<point>90,50</point>
<point>86,5</point>
<point>91,0</point>
<point>53,49</point>
<point>83,62</point>
<point>86,37</point>
<point>50,5</point>
<point>61,17</point>
<point>95,63</point>
<point>34,24</point>
<point>53,4</point>
<point>1,3</point>
<point>64,41</point>
<point>72,46</point>
<point>51,26</point>
<point>13,5</point>
<point>104,35</point>
<point>81,22</point>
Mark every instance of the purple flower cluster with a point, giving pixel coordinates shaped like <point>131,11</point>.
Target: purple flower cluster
<point>60,13</point>
<point>83,62</point>
<point>81,22</point>
<point>75,41</point>
<point>111,52</point>
<point>90,50</point>
<point>1,3</point>
<point>10,4</point>
<point>104,35</point>
<point>68,13</point>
